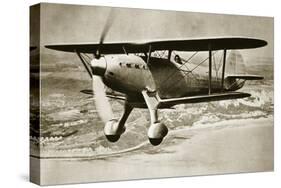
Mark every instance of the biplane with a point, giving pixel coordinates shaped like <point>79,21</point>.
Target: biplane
<point>154,82</point>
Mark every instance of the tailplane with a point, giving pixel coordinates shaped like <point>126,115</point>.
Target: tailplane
<point>245,77</point>
<point>236,73</point>
<point>235,82</point>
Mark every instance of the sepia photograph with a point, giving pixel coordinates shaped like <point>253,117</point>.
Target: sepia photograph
<point>125,94</point>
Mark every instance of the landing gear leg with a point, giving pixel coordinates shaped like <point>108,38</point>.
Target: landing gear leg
<point>157,130</point>
<point>114,128</point>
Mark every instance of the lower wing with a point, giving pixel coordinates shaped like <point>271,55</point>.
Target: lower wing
<point>108,94</point>
<point>203,98</point>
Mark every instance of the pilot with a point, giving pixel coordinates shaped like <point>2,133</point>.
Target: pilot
<point>97,54</point>
<point>178,59</point>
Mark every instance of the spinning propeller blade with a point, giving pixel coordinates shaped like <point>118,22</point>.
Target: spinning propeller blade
<point>107,26</point>
<point>101,101</point>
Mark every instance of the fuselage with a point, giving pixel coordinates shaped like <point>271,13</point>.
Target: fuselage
<point>130,74</point>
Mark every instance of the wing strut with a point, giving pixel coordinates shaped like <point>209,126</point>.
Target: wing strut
<point>169,54</point>
<point>149,54</point>
<point>210,70</point>
<point>223,69</point>
<point>85,64</point>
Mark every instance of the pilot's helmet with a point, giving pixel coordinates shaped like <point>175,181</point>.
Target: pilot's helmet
<point>177,58</point>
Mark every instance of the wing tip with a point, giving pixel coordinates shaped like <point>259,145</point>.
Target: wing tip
<point>61,47</point>
<point>261,43</point>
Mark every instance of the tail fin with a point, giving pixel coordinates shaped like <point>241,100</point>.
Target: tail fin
<point>236,68</point>
<point>235,64</point>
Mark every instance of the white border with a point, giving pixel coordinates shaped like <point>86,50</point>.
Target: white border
<point>14,102</point>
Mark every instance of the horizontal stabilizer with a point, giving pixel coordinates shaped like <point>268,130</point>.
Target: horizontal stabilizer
<point>245,77</point>
<point>204,98</point>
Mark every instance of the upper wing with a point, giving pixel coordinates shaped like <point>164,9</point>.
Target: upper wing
<point>200,44</point>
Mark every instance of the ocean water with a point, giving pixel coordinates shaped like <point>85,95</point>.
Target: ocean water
<point>71,127</point>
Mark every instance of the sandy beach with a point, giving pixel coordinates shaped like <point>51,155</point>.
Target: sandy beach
<point>231,146</point>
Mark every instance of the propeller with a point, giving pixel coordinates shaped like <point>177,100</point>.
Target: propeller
<point>98,65</point>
